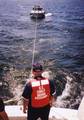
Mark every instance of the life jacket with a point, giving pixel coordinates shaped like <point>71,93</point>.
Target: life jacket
<point>40,93</point>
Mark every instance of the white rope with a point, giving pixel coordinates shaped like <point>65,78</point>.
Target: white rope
<point>34,45</point>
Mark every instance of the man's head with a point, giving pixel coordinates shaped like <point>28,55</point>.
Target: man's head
<point>37,69</point>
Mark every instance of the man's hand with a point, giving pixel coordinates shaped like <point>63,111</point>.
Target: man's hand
<point>52,101</point>
<point>25,109</point>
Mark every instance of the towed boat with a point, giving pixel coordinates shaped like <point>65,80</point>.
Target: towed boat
<point>37,13</point>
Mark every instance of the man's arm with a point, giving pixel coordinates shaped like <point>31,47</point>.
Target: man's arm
<point>26,96</point>
<point>25,105</point>
<point>52,92</point>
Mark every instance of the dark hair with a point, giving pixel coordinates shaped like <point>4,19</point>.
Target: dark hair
<point>37,66</point>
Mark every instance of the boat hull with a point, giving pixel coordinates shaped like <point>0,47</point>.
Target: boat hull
<point>37,16</point>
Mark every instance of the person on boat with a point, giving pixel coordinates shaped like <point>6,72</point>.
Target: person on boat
<point>3,114</point>
<point>38,95</point>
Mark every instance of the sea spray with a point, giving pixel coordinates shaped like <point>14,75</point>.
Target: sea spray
<point>69,86</point>
<point>71,95</point>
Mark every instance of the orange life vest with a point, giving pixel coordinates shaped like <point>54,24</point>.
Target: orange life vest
<point>40,93</point>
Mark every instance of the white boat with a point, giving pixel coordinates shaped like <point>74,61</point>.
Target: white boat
<point>37,13</point>
<point>15,113</point>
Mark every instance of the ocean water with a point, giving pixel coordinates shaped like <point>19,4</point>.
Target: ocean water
<point>59,45</point>
<point>60,36</point>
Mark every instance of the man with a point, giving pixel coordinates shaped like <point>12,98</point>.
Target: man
<point>38,95</point>
<point>3,114</point>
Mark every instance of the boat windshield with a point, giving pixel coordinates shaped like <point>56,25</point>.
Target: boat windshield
<point>37,8</point>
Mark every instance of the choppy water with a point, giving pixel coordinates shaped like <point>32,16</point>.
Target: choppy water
<point>60,36</point>
<point>59,45</point>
